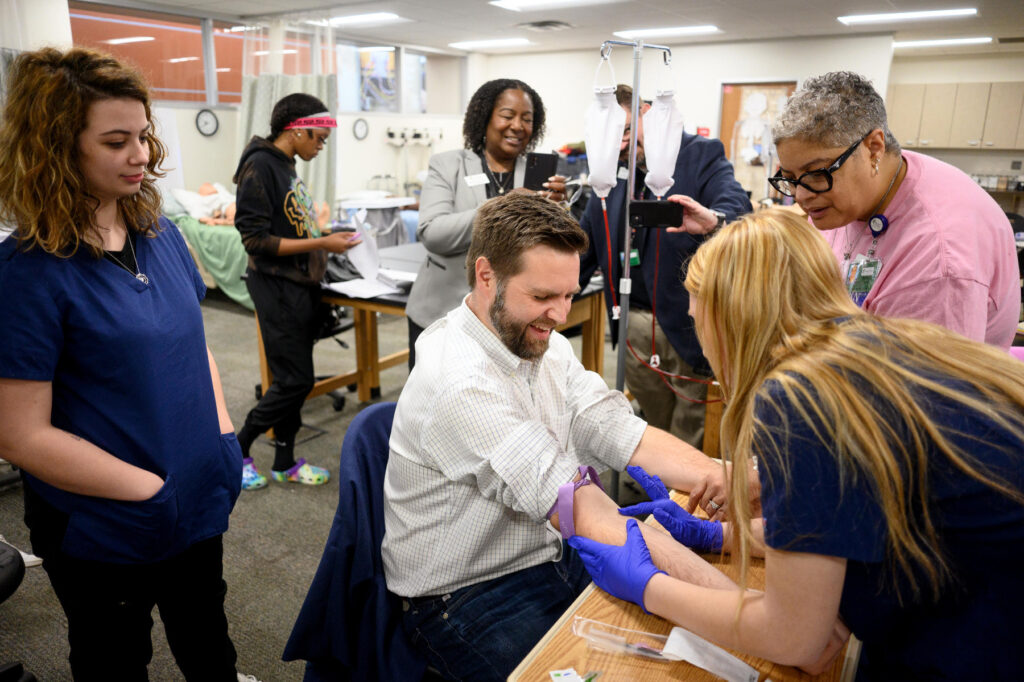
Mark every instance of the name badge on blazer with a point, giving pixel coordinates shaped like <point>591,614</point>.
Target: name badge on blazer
<point>478,179</point>
<point>623,173</point>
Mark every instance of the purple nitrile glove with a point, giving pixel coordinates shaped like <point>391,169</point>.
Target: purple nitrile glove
<point>622,571</point>
<point>697,534</point>
<point>651,483</point>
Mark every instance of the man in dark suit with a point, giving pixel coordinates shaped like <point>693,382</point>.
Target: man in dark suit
<point>658,321</point>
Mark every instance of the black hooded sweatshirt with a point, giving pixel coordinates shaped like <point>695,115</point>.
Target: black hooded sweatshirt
<point>272,203</point>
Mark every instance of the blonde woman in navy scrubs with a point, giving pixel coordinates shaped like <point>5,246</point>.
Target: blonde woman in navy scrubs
<point>110,401</point>
<point>890,459</point>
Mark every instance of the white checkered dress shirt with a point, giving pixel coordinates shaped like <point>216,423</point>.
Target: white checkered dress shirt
<point>481,441</point>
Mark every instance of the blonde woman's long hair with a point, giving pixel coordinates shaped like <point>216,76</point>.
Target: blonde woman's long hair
<point>774,319</point>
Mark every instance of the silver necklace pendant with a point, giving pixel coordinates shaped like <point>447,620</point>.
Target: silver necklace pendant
<point>139,275</point>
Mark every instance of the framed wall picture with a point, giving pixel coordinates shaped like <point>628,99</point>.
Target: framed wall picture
<point>748,111</point>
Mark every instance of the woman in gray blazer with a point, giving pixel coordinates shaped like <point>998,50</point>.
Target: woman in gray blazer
<point>504,120</point>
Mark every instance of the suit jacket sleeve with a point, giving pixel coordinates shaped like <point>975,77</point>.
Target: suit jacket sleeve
<point>717,185</point>
<point>588,259</point>
<point>442,229</point>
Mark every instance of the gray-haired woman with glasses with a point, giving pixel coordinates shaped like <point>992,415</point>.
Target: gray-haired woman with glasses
<point>915,237</point>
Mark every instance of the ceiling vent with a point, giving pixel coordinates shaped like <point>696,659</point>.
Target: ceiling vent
<point>544,26</point>
<point>1008,41</point>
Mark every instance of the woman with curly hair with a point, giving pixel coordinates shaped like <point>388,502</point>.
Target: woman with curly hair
<point>110,401</point>
<point>504,120</point>
<point>890,454</point>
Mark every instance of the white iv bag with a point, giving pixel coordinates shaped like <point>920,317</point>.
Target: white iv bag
<point>605,123</point>
<point>663,133</point>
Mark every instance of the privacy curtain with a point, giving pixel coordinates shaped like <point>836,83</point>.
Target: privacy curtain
<point>280,59</point>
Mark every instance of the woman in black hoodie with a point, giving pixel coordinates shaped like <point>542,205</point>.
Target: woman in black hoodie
<point>287,259</point>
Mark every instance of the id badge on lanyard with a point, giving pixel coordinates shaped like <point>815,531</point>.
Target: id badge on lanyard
<point>634,258</point>
<point>860,275</point>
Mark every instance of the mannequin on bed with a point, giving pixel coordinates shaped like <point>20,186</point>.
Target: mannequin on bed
<point>225,215</point>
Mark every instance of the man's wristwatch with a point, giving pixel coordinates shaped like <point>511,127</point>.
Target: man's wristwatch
<point>721,217</point>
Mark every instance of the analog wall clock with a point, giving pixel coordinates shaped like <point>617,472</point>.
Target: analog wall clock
<point>360,129</point>
<point>206,122</point>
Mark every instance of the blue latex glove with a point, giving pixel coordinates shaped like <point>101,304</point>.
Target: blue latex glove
<point>651,483</point>
<point>697,534</point>
<point>622,571</point>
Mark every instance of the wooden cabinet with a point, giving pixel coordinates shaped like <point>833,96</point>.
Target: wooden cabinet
<point>1003,118</point>
<point>969,115</point>
<point>957,115</point>
<point>904,112</point>
<point>937,115</point>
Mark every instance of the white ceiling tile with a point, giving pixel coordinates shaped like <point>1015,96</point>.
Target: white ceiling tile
<point>435,23</point>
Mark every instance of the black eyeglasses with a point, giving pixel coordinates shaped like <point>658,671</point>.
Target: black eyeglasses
<point>817,181</point>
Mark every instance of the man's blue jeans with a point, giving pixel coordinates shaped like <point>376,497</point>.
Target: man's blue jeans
<point>482,632</point>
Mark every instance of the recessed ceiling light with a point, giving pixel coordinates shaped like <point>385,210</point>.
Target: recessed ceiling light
<point>378,48</point>
<point>484,44</point>
<point>264,53</point>
<point>528,5</point>
<point>667,32</point>
<point>223,69</point>
<point>943,41</point>
<point>124,41</point>
<point>178,60</point>
<point>371,19</point>
<point>908,16</point>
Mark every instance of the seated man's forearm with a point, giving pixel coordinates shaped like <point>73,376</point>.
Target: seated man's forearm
<point>677,463</point>
<point>680,561</point>
<point>597,517</point>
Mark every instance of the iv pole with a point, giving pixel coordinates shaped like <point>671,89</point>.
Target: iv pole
<point>625,283</point>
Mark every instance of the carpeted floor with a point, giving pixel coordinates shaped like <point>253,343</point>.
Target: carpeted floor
<point>277,534</point>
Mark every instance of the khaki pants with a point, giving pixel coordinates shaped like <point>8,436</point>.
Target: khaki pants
<point>663,408</point>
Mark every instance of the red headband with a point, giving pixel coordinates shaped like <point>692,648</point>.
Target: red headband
<point>322,120</point>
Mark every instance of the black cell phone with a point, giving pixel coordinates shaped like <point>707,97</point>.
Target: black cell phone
<point>653,213</point>
<point>539,167</point>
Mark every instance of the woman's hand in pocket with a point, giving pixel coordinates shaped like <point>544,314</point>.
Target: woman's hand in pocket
<point>144,485</point>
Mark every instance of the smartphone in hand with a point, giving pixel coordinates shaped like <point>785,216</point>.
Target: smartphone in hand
<point>539,167</point>
<point>655,214</point>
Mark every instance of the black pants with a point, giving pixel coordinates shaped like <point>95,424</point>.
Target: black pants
<point>290,318</point>
<point>109,606</point>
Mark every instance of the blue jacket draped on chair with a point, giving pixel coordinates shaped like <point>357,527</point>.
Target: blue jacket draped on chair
<point>350,626</point>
